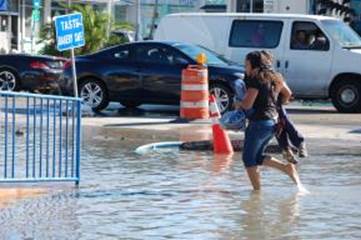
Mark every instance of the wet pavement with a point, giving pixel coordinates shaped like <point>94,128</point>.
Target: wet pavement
<point>176,194</point>
<point>326,130</point>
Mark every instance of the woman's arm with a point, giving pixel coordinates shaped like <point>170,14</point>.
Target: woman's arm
<point>248,101</point>
<point>286,93</point>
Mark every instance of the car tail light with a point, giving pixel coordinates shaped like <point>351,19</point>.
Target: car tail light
<point>39,65</point>
<point>67,64</point>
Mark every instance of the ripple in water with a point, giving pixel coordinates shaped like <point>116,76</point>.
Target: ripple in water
<point>188,195</point>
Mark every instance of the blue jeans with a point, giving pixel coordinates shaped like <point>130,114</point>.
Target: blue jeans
<point>257,136</point>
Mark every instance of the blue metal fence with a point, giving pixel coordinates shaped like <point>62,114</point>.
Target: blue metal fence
<point>39,138</point>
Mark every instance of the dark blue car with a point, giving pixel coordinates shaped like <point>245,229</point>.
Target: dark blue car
<point>30,72</point>
<point>147,72</point>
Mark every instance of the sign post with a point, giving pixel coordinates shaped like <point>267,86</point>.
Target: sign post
<point>69,31</point>
<point>35,18</point>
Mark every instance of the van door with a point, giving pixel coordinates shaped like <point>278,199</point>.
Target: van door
<point>308,59</point>
<point>251,35</point>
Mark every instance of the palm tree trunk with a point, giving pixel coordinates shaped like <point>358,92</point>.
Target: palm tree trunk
<point>138,20</point>
<point>110,13</point>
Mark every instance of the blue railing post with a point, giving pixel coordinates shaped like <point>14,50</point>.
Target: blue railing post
<point>60,137</point>
<point>34,136</point>
<point>27,135</point>
<point>6,138</point>
<point>47,136</point>
<point>78,143</point>
<point>54,138</point>
<point>66,137</point>
<point>13,140</point>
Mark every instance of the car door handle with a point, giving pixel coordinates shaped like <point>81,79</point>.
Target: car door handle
<point>278,64</point>
<point>286,64</point>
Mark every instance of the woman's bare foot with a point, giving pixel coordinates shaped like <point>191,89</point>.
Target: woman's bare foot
<point>291,171</point>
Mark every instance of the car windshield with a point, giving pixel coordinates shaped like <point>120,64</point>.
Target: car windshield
<point>342,33</point>
<point>193,51</point>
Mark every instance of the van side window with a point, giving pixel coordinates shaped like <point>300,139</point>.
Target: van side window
<point>308,36</point>
<point>255,34</point>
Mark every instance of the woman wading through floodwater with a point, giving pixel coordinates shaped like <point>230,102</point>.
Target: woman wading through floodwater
<point>263,87</point>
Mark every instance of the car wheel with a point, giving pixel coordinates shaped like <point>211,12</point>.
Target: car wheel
<point>346,96</point>
<point>129,104</point>
<point>94,93</point>
<point>9,80</point>
<point>223,95</point>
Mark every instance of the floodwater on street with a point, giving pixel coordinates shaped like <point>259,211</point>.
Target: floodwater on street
<point>187,195</point>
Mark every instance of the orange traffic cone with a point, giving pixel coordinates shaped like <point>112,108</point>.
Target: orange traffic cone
<point>221,142</point>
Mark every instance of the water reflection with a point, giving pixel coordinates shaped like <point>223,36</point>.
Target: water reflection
<point>187,195</point>
<point>268,218</point>
<point>11,195</point>
<point>221,162</point>
<point>48,217</point>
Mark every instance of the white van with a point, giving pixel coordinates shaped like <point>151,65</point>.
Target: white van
<point>320,57</point>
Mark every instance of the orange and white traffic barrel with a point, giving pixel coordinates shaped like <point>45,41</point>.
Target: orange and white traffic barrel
<point>195,93</point>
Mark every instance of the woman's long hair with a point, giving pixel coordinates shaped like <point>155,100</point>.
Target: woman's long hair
<point>261,63</point>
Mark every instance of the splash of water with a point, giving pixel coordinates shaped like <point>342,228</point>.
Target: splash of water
<point>302,190</point>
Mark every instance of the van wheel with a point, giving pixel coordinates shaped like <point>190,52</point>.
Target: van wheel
<point>94,93</point>
<point>223,95</point>
<point>346,96</point>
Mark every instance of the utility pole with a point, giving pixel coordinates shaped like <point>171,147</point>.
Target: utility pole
<point>35,18</point>
<point>9,32</point>
<point>69,5</point>
<point>75,80</point>
<point>23,26</point>
<point>138,21</point>
<point>46,12</point>
<point>155,16</point>
<point>251,6</point>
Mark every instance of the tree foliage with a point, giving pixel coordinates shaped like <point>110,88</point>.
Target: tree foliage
<point>97,30</point>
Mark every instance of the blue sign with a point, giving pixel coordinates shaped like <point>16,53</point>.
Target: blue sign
<point>69,31</point>
<point>3,5</point>
<point>36,3</point>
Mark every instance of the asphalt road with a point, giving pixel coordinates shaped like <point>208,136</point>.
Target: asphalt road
<point>326,130</point>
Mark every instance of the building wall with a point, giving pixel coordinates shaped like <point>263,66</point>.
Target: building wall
<point>23,30</point>
<point>122,10</point>
<point>9,24</point>
<point>269,6</point>
<point>165,7</point>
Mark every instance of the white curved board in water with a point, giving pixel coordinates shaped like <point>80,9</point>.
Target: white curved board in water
<point>157,146</point>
